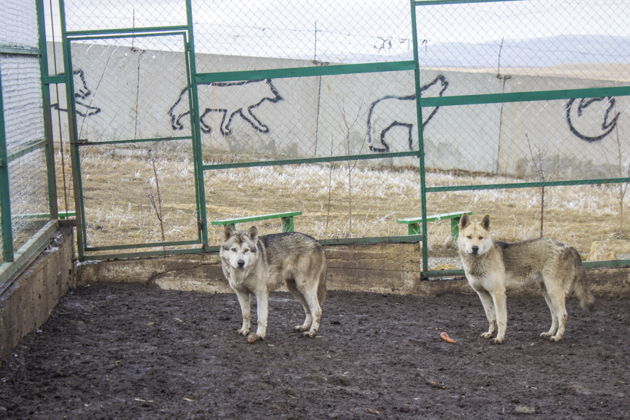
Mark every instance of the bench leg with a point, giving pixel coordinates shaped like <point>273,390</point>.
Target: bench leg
<point>414,229</point>
<point>288,224</point>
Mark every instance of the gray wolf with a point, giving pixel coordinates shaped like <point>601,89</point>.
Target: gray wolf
<point>237,98</point>
<point>399,111</point>
<point>491,266</point>
<point>255,265</point>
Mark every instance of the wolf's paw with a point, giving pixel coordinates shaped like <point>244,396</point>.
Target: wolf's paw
<point>300,328</point>
<point>555,338</point>
<point>546,334</point>
<point>497,341</point>
<point>487,334</point>
<point>243,331</point>
<point>310,334</point>
<point>252,338</point>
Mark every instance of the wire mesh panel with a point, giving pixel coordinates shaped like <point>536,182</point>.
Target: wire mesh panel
<point>579,39</point>
<point>145,190</point>
<point>26,199</point>
<point>117,14</point>
<point>328,31</point>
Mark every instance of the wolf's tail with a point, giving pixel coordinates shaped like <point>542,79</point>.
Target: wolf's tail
<point>580,285</point>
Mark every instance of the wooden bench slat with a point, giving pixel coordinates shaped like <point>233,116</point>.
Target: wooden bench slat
<point>414,227</point>
<point>256,218</point>
<point>434,217</point>
<point>288,224</point>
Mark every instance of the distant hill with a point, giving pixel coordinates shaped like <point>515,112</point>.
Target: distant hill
<point>537,52</point>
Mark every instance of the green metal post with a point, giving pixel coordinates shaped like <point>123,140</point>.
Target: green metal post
<point>74,137</point>
<point>288,224</point>
<point>196,129</point>
<point>5,194</point>
<point>46,109</point>
<point>423,193</point>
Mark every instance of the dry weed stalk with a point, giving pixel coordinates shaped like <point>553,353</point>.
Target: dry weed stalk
<point>157,207</point>
<point>538,163</point>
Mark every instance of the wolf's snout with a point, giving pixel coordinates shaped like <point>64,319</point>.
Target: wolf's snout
<point>475,249</point>
<point>241,263</point>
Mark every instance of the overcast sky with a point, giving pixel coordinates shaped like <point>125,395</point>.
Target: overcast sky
<point>363,26</point>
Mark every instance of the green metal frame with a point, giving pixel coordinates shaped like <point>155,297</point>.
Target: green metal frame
<point>194,79</point>
<point>483,99</point>
<point>5,194</point>
<point>15,260</point>
<point>185,31</point>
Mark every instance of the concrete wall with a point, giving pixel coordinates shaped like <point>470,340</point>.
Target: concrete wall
<point>31,297</point>
<point>124,93</point>
<point>376,268</point>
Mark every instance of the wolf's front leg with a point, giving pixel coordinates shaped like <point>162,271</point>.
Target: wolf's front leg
<point>488,308</point>
<point>244,300</point>
<point>262,310</point>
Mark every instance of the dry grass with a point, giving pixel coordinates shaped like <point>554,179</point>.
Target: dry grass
<point>119,210</point>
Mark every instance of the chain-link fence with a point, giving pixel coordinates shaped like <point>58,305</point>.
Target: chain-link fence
<point>24,178</point>
<point>185,112</point>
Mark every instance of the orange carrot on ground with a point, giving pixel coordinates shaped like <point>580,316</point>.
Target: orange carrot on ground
<point>444,336</point>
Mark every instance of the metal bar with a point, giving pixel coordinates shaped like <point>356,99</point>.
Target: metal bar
<point>33,145</point>
<point>126,30</point>
<point>126,35</point>
<point>47,112</point>
<point>193,143</point>
<point>419,124</point>
<point>145,245</point>
<point>73,134</point>
<point>49,80</point>
<point>447,2</point>
<point>529,184</point>
<point>5,192</point>
<point>307,160</point>
<point>149,254</point>
<point>193,98</point>
<point>541,95</point>
<point>15,50</point>
<point>373,240</point>
<point>230,76</point>
<point>98,143</point>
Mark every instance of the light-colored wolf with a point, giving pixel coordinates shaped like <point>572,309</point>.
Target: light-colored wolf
<point>491,266</point>
<point>256,265</point>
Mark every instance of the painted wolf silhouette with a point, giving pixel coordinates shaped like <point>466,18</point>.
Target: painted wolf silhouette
<point>244,96</point>
<point>392,111</point>
<point>81,93</point>
<point>591,119</point>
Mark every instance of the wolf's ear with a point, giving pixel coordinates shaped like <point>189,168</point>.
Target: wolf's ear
<point>228,231</point>
<point>485,222</point>
<point>253,233</point>
<point>464,221</point>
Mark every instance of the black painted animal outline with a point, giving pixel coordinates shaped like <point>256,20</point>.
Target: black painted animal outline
<point>576,108</point>
<point>81,93</point>
<point>246,111</point>
<point>440,82</point>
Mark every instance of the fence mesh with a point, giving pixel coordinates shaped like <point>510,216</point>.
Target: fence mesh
<point>135,89</point>
<point>23,120</point>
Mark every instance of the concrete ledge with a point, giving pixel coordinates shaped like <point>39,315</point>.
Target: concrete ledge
<point>30,299</point>
<point>376,268</point>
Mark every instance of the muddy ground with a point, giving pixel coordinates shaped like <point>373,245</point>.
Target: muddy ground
<point>135,351</point>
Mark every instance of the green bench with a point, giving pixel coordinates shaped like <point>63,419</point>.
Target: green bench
<point>288,224</point>
<point>414,224</point>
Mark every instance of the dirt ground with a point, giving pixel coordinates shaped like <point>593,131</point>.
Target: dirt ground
<point>135,351</point>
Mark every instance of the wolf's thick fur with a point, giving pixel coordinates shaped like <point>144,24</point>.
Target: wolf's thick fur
<point>256,265</point>
<point>492,266</point>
